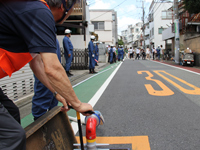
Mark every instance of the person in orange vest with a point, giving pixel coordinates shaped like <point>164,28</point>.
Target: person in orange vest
<point>27,34</point>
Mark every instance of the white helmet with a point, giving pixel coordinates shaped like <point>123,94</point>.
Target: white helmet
<point>92,37</point>
<point>67,31</point>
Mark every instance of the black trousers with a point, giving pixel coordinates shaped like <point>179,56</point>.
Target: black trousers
<point>137,56</point>
<point>114,57</point>
<point>12,135</point>
<point>10,106</point>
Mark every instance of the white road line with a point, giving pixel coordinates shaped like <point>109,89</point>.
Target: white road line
<point>177,67</point>
<point>92,76</point>
<point>97,95</point>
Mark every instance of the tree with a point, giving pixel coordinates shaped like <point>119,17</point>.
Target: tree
<point>192,6</point>
<point>120,42</point>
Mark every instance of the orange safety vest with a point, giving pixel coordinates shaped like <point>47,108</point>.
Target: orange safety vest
<point>11,62</point>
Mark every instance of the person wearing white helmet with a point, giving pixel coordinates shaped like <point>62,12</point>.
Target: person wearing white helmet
<point>120,53</point>
<point>68,51</point>
<point>111,53</point>
<point>97,53</point>
<point>91,49</point>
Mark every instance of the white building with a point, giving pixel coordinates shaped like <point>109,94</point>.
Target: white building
<point>105,25</point>
<point>131,36</point>
<point>147,35</point>
<point>160,18</point>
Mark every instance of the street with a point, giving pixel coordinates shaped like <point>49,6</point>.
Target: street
<point>157,104</point>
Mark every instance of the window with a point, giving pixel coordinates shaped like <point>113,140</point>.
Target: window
<point>160,30</point>
<point>166,14</point>
<point>113,17</point>
<point>152,31</point>
<point>98,25</point>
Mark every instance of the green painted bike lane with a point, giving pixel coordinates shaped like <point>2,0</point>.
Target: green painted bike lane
<point>84,91</point>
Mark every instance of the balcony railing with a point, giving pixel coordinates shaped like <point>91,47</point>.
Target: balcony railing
<point>78,8</point>
<point>78,14</point>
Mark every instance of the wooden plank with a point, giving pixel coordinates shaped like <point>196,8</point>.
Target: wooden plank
<point>52,131</point>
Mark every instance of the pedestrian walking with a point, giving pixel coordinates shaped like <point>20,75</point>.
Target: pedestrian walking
<point>158,52</point>
<point>91,48</point>
<point>163,52</point>
<point>68,51</point>
<point>143,54</point>
<point>148,52</point>
<point>154,53</point>
<point>137,53</point>
<point>130,52</point>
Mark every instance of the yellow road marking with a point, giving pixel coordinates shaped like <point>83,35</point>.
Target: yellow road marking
<point>165,90</point>
<point>196,90</point>
<point>138,142</point>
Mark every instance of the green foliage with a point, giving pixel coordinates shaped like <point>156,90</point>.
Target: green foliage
<point>120,42</point>
<point>192,6</point>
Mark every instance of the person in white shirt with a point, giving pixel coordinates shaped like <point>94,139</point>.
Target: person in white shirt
<point>154,53</point>
<point>108,52</point>
<point>130,51</point>
<point>137,53</point>
<point>148,52</point>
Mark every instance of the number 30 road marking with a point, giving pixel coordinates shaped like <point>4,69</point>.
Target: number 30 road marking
<point>165,90</point>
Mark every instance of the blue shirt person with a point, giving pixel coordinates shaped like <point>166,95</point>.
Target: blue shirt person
<point>158,52</point>
<point>120,53</point>
<point>68,51</point>
<point>91,49</point>
<point>111,54</point>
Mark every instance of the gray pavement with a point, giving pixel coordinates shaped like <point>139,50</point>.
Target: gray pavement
<point>25,104</point>
<point>170,122</point>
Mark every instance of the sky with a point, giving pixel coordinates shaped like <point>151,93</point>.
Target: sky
<point>128,11</point>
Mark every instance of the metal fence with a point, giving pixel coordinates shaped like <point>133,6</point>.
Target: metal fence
<point>80,59</point>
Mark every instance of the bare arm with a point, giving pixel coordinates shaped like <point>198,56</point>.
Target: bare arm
<point>53,76</point>
<point>37,67</point>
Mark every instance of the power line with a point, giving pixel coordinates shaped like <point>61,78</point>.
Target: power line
<point>153,7</point>
<point>94,2</point>
<point>108,10</point>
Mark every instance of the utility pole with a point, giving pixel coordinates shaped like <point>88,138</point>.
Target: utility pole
<point>143,27</point>
<point>143,21</point>
<point>176,25</point>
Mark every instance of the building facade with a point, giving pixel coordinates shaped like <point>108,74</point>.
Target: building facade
<point>160,18</point>
<point>105,25</point>
<point>132,35</point>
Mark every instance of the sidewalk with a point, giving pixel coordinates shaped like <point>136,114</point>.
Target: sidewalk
<point>172,63</point>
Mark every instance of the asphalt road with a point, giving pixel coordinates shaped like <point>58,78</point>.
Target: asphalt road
<point>168,114</point>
